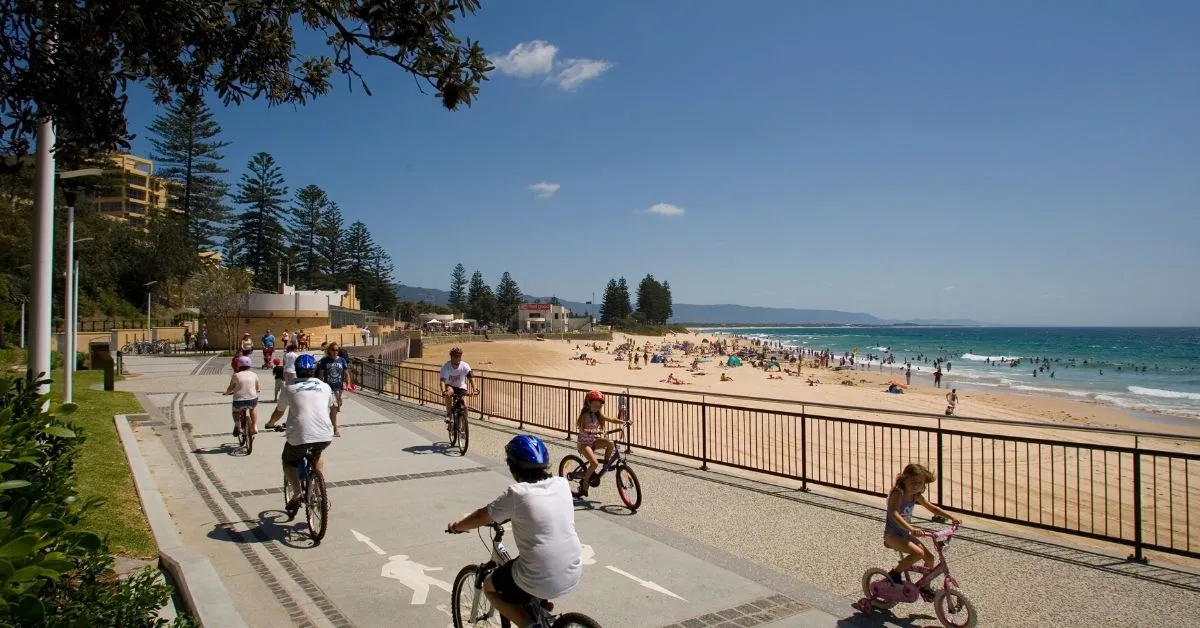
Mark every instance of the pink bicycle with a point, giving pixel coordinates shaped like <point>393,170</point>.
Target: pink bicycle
<point>953,608</point>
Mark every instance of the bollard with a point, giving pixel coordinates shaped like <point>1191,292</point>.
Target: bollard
<point>110,375</point>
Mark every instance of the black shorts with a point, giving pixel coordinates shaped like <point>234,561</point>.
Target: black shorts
<point>462,392</point>
<point>504,584</point>
<point>293,454</point>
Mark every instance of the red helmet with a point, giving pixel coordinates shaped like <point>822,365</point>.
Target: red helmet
<point>594,395</point>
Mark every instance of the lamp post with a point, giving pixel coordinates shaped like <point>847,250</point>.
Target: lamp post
<point>149,328</point>
<point>43,256</point>
<point>69,274</point>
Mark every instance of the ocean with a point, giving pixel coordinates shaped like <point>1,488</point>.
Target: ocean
<point>1155,370</point>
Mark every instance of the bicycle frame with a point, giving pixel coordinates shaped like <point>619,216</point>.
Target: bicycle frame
<point>500,556</point>
<point>940,539</point>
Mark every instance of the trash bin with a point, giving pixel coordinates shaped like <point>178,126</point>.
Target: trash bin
<point>416,348</point>
<point>101,357</point>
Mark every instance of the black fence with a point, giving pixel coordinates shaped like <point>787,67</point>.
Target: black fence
<point>1126,487</point>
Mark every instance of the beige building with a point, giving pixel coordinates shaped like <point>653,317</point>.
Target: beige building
<point>134,192</point>
<point>543,317</point>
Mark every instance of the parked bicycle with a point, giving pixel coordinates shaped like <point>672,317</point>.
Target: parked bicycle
<point>458,428</point>
<point>953,608</point>
<point>629,488</point>
<point>470,606</point>
<point>145,347</point>
<point>313,497</point>
<point>246,430</point>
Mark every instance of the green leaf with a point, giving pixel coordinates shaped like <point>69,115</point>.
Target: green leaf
<point>85,540</point>
<point>67,408</point>
<point>5,466</point>
<point>30,608</point>
<point>11,484</point>
<point>46,526</point>
<point>6,570</point>
<point>59,431</point>
<point>19,547</point>
<point>60,566</point>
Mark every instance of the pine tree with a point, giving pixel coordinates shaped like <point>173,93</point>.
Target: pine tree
<point>508,299</point>
<point>475,288</point>
<point>258,237</point>
<point>331,246</point>
<point>666,303</point>
<point>458,288</point>
<point>624,305</point>
<point>305,227</point>
<point>188,156</point>
<point>379,289</point>
<point>608,305</point>
<point>647,298</point>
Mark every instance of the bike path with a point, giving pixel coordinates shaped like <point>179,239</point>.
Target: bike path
<point>385,559</point>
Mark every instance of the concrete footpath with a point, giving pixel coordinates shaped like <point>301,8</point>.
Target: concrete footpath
<point>393,486</point>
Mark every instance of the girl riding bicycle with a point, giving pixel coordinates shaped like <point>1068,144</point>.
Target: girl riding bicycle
<point>591,437</point>
<point>898,531</point>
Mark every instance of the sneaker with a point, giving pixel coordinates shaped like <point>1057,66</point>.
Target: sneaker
<point>236,431</point>
<point>292,508</point>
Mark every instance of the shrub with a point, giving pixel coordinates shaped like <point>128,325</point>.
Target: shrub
<point>52,572</point>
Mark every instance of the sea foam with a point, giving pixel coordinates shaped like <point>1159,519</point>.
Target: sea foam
<point>984,358</point>
<point>1165,394</point>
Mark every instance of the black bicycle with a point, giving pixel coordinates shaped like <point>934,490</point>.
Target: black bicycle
<point>312,496</point>
<point>246,430</point>
<point>472,608</point>
<point>457,427</point>
<point>629,488</point>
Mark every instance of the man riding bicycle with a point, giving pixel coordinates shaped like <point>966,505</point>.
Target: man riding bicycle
<point>456,377</point>
<point>309,428</point>
<point>543,525</point>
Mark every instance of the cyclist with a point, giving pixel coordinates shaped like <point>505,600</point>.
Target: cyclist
<point>591,437</point>
<point>244,387</point>
<point>456,377</point>
<point>332,370</point>
<point>543,525</point>
<point>268,343</point>
<point>898,532</point>
<point>309,426</point>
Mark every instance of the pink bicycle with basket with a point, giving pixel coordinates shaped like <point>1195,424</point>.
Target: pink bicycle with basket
<point>953,608</point>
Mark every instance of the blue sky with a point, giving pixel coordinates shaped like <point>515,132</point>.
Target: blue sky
<point>1010,162</point>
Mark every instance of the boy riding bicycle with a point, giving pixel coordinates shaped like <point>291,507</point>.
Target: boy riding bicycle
<point>898,531</point>
<point>543,525</point>
<point>591,437</point>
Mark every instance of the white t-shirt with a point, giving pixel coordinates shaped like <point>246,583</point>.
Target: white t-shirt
<point>309,401</point>
<point>289,362</point>
<point>245,385</point>
<point>543,526</point>
<point>456,376</point>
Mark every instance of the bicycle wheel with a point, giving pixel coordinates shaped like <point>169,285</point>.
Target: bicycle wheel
<point>248,432</point>
<point>628,487</point>
<point>243,435</point>
<point>954,610</point>
<point>316,510</point>
<point>871,576</point>
<point>464,433</point>
<point>468,605</point>
<point>575,619</point>
<point>452,427</point>
<point>572,468</point>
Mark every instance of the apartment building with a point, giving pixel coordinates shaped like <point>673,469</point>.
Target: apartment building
<point>132,193</point>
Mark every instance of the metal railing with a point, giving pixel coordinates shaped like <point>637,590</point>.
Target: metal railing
<point>1131,488</point>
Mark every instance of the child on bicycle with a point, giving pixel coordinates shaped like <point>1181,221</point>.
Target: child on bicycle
<point>898,531</point>
<point>550,559</point>
<point>591,437</point>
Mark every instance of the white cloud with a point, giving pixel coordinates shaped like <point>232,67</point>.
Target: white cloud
<point>948,289</point>
<point>540,58</point>
<point>544,189</point>
<point>527,59</point>
<point>665,209</point>
<point>574,72</point>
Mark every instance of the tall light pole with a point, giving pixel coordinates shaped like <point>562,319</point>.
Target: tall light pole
<point>149,327</point>
<point>71,306</point>
<point>43,256</point>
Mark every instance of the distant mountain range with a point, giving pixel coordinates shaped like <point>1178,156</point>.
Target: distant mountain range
<point>722,314</point>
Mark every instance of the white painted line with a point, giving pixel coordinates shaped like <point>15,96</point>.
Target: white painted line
<point>588,555</point>
<point>649,585</point>
<point>413,576</point>
<point>362,538</point>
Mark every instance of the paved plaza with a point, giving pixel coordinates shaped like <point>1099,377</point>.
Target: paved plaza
<point>705,549</point>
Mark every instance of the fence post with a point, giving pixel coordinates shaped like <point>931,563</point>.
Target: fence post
<point>568,414</point>
<point>521,402</point>
<point>1137,556</point>
<point>803,450</point>
<point>703,433</point>
<point>628,412</point>
<point>940,501</point>
<point>482,384</point>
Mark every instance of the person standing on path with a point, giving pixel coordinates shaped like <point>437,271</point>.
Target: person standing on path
<point>332,370</point>
<point>289,364</point>
<point>937,377</point>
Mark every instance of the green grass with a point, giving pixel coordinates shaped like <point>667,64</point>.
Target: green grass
<point>102,470</point>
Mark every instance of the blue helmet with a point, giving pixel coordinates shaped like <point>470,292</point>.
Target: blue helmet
<point>527,452</point>
<point>305,363</point>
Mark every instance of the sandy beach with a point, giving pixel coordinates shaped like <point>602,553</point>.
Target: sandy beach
<point>866,386</point>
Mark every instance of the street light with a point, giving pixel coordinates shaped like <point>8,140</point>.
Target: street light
<point>149,331</point>
<point>71,307</point>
